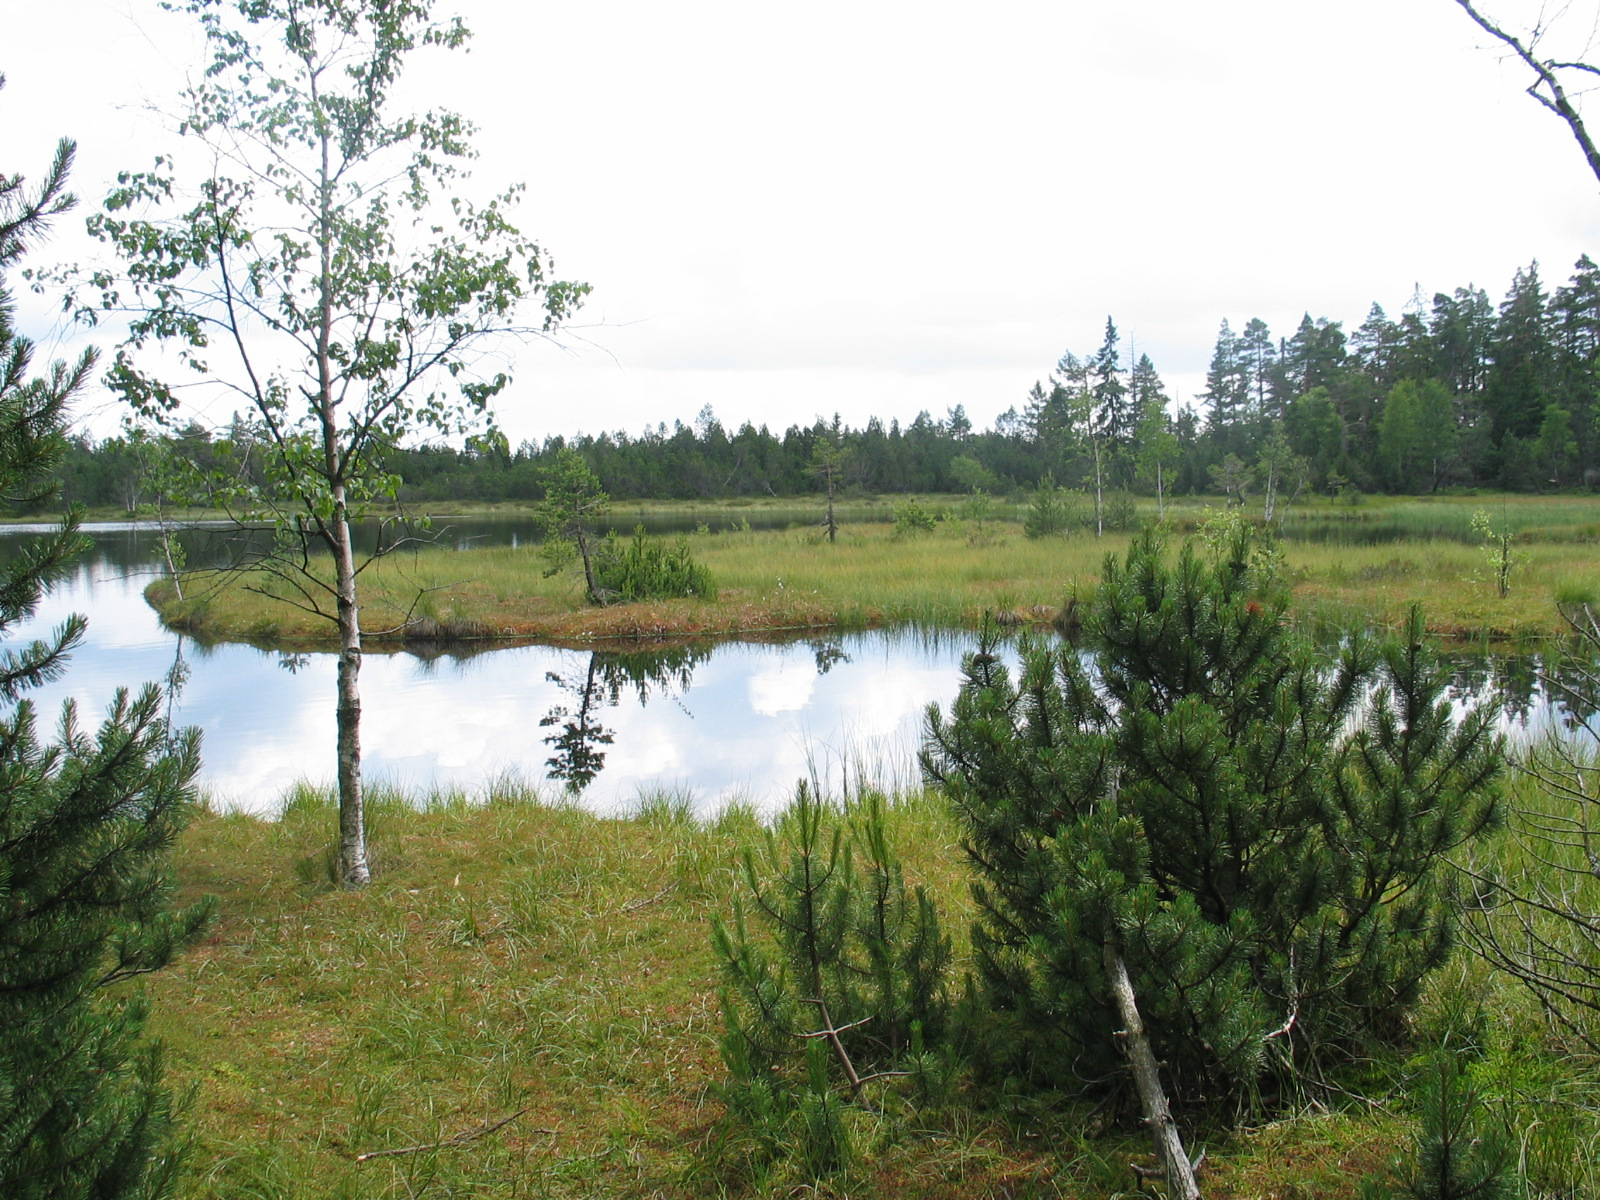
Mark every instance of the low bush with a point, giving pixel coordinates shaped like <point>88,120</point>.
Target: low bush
<point>910,518</point>
<point>645,569</point>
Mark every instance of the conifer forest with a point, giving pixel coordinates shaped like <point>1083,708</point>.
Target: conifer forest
<point>1455,391</point>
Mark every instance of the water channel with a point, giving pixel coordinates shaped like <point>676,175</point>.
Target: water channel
<point>716,722</point>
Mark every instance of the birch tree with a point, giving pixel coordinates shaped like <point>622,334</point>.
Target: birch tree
<point>308,253</point>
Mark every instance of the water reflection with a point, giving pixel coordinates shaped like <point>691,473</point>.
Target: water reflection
<point>579,734</point>
<point>578,757</point>
<point>723,721</point>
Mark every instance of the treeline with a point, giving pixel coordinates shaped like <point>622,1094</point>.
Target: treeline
<point>1453,392</point>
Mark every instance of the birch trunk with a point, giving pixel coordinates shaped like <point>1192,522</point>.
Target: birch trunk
<point>1147,1080</point>
<point>353,869</point>
<point>1099,495</point>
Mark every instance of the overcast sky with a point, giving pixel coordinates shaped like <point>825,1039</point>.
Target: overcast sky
<point>878,208</point>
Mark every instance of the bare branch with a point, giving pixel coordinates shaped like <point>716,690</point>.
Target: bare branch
<point>1556,101</point>
<point>458,1139</point>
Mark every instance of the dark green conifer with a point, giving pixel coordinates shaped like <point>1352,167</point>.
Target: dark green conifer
<point>841,984</point>
<point>86,820</point>
<point>1255,825</point>
<point>1462,1152</point>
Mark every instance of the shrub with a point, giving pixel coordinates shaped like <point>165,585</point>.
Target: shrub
<point>911,518</point>
<point>1051,509</point>
<point>646,569</point>
<point>1255,828</point>
<point>847,991</point>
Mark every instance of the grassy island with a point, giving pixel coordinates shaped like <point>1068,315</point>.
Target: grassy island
<point>1348,564</point>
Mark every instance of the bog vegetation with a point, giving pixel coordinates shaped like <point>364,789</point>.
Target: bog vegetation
<point>1343,567</point>
<point>1333,903</point>
<point>1192,904</point>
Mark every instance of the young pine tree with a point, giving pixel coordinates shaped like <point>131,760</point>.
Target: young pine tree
<point>1253,827</point>
<point>844,993</point>
<point>1462,1152</point>
<point>86,820</point>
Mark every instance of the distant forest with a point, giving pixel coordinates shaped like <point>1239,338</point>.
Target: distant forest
<point>1454,392</point>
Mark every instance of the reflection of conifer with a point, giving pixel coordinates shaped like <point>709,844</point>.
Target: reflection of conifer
<point>578,757</point>
<point>577,743</point>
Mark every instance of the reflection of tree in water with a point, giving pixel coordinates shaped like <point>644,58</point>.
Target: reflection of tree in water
<point>828,654</point>
<point>578,757</point>
<point>1570,681</point>
<point>1508,681</point>
<point>579,734</point>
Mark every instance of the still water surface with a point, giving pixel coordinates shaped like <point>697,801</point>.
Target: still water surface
<point>720,721</point>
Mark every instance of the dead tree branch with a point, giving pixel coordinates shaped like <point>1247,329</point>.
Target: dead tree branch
<point>856,1082</point>
<point>456,1139</point>
<point>1179,1170</point>
<point>1546,88</point>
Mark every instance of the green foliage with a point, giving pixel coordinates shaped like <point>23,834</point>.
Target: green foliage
<point>570,514</point>
<point>1463,1151</point>
<point>1499,559</point>
<point>1119,513</point>
<point>847,990</point>
<point>830,459</point>
<point>911,518</point>
<point>323,263</point>
<point>86,822</point>
<point>647,568</point>
<point>1260,827</point>
<point>1417,436</point>
<point>85,827</point>
<point>1051,509</point>
<point>979,511</point>
<point>298,98</point>
<point>970,475</point>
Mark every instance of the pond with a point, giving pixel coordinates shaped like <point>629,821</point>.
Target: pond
<point>715,722</point>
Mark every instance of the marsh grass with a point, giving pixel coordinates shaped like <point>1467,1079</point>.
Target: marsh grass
<point>775,581</point>
<point>767,582</point>
<point>514,955</point>
<point>519,954</point>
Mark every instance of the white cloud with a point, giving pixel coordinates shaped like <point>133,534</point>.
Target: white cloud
<point>886,207</point>
<point>783,687</point>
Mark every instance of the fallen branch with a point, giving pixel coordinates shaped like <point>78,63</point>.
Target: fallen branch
<point>636,905</point>
<point>457,1139</point>
<point>1176,1166</point>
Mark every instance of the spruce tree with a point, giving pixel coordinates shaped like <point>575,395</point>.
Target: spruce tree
<point>86,821</point>
<point>1256,827</point>
<point>1227,394</point>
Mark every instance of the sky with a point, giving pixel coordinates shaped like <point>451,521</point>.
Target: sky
<point>879,208</point>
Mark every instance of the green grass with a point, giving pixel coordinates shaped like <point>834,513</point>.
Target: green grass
<point>791,579</point>
<point>522,956</point>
